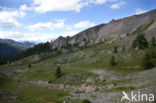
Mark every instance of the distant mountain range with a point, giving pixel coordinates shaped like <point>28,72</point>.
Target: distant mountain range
<point>9,47</point>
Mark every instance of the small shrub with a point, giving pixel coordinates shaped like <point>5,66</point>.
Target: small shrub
<point>140,42</point>
<point>58,72</point>
<point>85,101</point>
<point>123,49</point>
<point>112,61</point>
<point>153,42</point>
<point>147,63</point>
<point>115,49</point>
<point>50,81</point>
<point>153,54</point>
<point>29,66</point>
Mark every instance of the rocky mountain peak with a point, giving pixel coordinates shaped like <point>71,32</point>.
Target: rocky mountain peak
<point>59,42</point>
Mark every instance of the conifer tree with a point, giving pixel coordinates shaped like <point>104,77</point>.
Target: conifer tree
<point>29,66</point>
<point>112,61</point>
<point>115,49</point>
<point>58,72</point>
<point>123,49</point>
<point>153,42</point>
<point>147,63</point>
<point>85,101</point>
<point>140,42</point>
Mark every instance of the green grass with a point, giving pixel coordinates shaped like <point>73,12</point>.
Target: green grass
<point>75,72</point>
<point>44,70</point>
<point>27,93</point>
<point>120,89</point>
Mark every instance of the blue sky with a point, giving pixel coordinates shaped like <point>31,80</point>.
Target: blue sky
<point>44,20</point>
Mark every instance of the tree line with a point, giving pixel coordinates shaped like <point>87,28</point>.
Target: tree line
<point>39,48</point>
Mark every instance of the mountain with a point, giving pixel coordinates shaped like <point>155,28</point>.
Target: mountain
<point>89,35</point>
<point>8,50</point>
<point>94,66</point>
<point>21,45</point>
<point>125,28</point>
<point>10,47</point>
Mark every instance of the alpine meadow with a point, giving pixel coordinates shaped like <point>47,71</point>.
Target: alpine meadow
<point>77,51</point>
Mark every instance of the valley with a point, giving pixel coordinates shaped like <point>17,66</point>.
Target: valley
<point>93,66</point>
<point>86,75</point>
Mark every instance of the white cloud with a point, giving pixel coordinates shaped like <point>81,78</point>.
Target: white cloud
<point>18,36</point>
<point>7,18</point>
<point>118,5</point>
<point>103,1</point>
<point>60,25</point>
<point>84,24</point>
<point>43,6</point>
<point>40,26</point>
<point>49,25</point>
<point>4,8</point>
<point>36,37</point>
<point>24,7</point>
<point>43,37</point>
<point>71,33</point>
<point>139,11</point>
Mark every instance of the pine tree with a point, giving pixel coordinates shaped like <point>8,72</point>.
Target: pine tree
<point>153,54</point>
<point>29,66</point>
<point>85,101</point>
<point>153,42</point>
<point>1,60</point>
<point>147,63</point>
<point>112,61</point>
<point>58,72</point>
<point>123,49</point>
<point>115,49</point>
<point>140,42</point>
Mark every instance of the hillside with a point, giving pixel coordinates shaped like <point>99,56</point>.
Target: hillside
<point>21,45</point>
<point>80,69</point>
<point>8,50</point>
<point>10,47</point>
<point>125,28</point>
<point>87,74</point>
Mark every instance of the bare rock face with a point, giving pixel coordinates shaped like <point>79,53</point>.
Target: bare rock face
<point>119,28</point>
<point>59,42</point>
<point>113,31</point>
<point>86,37</point>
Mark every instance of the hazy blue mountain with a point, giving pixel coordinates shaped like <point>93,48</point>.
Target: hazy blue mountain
<point>8,50</point>
<point>9,47</point>
<point>21,45</point>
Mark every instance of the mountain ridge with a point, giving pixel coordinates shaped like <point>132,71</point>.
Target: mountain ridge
<point>21,45</point>
<point>9,47</point>
<point>112,31</point>
<point>8,50</point>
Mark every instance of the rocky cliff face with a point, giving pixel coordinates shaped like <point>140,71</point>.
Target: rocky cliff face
<point>126,28</point>
<point>130,25</point>
<point>86,37</point>
<point>58,43</point>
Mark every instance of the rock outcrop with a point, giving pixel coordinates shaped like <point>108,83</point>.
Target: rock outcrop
<point>59,43</point>
<point>86,37</point>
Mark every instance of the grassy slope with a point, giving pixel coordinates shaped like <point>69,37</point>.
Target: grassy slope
<point>27,93</point>
<point>77,69</point>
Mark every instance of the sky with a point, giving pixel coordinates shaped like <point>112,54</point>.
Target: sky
<point>45,20</point>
